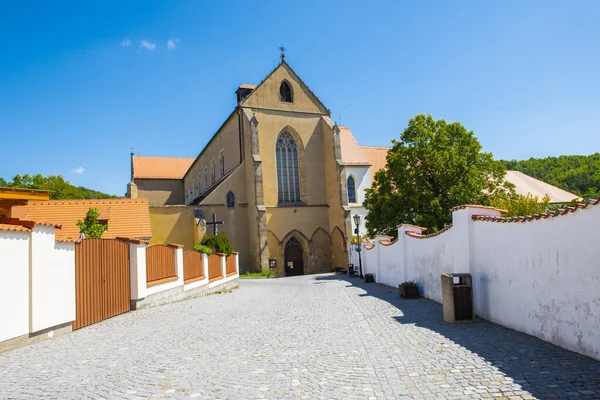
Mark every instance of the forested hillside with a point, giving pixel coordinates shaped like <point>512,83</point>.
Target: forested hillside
<point>577,174</point>
<point>61,189</point>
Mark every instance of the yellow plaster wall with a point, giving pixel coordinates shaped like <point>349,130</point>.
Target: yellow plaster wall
<point>173,224</point>
<point>226,140</point>
<point>267,94</point>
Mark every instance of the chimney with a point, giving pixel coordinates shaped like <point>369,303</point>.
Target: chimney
<point>244,91</point>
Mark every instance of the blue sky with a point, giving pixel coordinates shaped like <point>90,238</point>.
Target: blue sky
<point>522,75</point>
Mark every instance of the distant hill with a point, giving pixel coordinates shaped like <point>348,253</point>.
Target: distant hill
<point>577,174</point>
<point>61,189</point>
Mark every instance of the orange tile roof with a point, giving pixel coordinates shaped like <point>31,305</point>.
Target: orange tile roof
<point>16,228</point>
<point>351,151</point>
<point>160,167</point>
<point>377,156</point>
<point>126,217</point>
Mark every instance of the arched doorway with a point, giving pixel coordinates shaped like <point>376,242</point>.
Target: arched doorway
<point>294,258</point>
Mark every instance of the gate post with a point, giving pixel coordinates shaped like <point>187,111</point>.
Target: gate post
<point>137,269</point>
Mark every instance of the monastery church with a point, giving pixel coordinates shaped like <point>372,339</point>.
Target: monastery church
<point>273,172</point>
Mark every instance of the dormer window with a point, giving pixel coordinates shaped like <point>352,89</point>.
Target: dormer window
<point>285,92</point>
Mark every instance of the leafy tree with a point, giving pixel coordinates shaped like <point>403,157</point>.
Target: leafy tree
<point>219,242</point>
<point>434,167</point>
<point>520,205</point>
<point>60,189</point>
<point>90,226</point>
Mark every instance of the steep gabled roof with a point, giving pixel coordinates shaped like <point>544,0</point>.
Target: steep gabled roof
<point>160,167</point>
<point>526,184</point>
<point>377,156</point>
<point>284,64</point>
<point>128,218</point>
<point>352,153</point>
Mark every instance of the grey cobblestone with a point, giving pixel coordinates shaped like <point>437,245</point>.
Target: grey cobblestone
<point>311,337</point>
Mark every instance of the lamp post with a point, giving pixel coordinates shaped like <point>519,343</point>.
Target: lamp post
<point>356,219</point>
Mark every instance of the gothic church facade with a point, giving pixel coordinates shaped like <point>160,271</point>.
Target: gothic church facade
<point>273,173</point>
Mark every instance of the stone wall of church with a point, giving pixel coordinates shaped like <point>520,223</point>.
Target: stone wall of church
<point>226,143</point>
<point>160,192</point>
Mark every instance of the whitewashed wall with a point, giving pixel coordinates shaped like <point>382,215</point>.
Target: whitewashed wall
<point>362,180</point>
<point>14,285</point>
<point>540,277</point>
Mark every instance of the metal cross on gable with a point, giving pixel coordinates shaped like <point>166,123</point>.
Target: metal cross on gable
<point>282,50</point>
<point>215,223</point>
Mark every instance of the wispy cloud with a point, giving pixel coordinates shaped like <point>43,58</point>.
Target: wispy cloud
<point>172,43</point>
<point>78,170</point>
<point>144,44</point>
<point>126,42</point>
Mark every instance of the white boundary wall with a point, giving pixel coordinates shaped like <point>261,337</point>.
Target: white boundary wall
<point>541,277</point>
<point>37,289</point>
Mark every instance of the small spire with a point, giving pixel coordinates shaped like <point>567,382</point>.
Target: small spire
<point>282,50</point>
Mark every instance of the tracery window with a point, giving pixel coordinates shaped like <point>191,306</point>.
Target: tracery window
<point>205,178</point>
<point>213,178</point>
<point>285,92</point>
<point>288,174</point>
<point>351,190</point>
<point>230,200</point>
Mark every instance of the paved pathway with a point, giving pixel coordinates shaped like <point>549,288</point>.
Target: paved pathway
<point>313,337</point>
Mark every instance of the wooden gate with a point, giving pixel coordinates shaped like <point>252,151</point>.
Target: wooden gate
<point>102,281</point>
<point>193,266</point>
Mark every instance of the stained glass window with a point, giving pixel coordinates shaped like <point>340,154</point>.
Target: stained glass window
<point>288,173</point>
<point>351,190</point>
<point>230,200</point>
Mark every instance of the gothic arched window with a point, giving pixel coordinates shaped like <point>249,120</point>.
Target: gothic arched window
<point>351,190</point>
<point>288,173</point>
<point>222,163</point>
<point>230,200</point>
<point>285,92</point>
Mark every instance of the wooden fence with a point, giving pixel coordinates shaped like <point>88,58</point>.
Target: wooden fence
<point>160,264</point>
<point>193,266</point>
<point>231,268</point>
<point>215,271</point>
<point>102,288</point>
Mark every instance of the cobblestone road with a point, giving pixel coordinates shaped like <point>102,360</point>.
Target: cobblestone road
<point>312,337</point>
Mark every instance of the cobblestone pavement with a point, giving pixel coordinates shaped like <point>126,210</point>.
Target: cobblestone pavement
<point>308,337</point>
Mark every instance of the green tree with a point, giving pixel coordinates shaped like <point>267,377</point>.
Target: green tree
<point>434,167</point>
<point>90,226</point>
<point>218,242</point>
<point>60,188</point>
<point>520,205</point>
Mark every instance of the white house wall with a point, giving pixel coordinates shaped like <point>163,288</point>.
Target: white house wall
<point>14,285</point>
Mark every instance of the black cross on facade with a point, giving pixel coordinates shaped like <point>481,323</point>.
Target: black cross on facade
<point>214,224</point>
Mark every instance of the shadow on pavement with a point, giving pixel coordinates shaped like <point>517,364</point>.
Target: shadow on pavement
<point>544,370</point>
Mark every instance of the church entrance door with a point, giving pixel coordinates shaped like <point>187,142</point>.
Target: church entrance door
<point>294,258</point>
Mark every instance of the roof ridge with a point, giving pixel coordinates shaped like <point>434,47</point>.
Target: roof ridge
<point>375,147</point>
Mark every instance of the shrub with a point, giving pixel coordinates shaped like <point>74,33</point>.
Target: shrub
<point>409,284</point>
<point>203,249</point>
<point>219,242</point>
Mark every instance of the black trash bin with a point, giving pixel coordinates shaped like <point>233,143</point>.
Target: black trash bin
<point>350,269</point>
<point>457,297</point>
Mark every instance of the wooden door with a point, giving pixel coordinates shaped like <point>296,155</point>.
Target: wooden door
<point>294,258</point>
<point>102,281</point>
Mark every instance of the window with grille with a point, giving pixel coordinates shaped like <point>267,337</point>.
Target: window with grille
<point>351,190</point>
<point>285,92</point>
<point>230,200</point>
<point>222,163</point>
<point>288,173</point>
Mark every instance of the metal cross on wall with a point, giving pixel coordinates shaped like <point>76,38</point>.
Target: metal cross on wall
<point>214,224</point>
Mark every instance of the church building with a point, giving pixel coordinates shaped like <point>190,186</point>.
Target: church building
<point>273,173</point>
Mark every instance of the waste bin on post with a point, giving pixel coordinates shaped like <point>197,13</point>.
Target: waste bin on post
<point>457,297</point>
<point>350,269</point>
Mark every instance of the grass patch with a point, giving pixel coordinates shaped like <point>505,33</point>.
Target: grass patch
<point>248,274</point>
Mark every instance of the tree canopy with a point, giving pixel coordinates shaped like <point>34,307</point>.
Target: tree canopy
<point>61,189</point>
<point>434,167</point>
<point>576,174</point>
<point>90,226</point>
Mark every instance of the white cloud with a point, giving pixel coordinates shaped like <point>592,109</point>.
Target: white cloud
<point>78,170</point>
<point>172,43</point>
<point>144,44</point>
<point>126,42</point>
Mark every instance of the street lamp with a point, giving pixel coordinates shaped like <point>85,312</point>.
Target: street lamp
<point>356,219</point>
